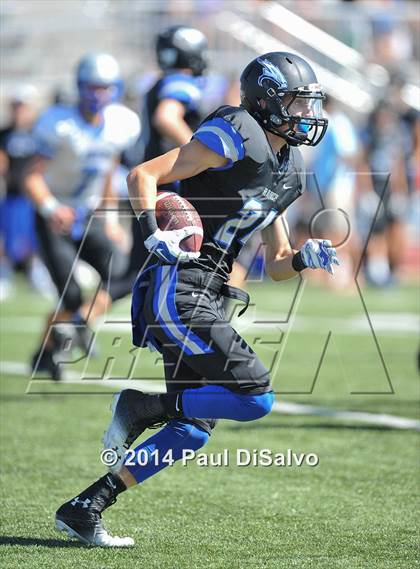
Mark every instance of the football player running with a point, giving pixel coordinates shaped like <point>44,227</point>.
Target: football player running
<point>241,170</point>
<point>68,178</point>
<point>171,112</point>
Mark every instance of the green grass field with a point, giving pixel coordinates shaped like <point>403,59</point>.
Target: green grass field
<point>357,509</point>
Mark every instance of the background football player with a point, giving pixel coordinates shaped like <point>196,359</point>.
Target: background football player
<point>18,244</point>
<point>248,157</point>
<point>70,176</point>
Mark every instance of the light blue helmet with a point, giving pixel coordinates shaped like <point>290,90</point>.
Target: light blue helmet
<point>98,70</point>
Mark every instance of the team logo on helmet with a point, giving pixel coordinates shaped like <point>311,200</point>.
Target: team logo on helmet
<point>272,72</point>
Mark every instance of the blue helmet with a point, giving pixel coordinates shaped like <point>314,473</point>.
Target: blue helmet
<point>99,81</point>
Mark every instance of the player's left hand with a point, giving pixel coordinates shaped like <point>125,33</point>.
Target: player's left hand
<point>319,254</point>
<point>62,219</point>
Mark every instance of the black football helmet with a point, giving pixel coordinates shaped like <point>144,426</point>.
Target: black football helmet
<point>182,47</point>
<point>279,90</point>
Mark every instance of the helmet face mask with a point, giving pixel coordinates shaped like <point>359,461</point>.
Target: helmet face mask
<point>281,92</point>
<point>98,81</point>
<point>93,98</point>
<point>296,116</point>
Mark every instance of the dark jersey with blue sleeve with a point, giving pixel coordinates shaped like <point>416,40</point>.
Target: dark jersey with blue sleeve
<point>247,194</point>
<point>179,86</point>
<point>19,146</point>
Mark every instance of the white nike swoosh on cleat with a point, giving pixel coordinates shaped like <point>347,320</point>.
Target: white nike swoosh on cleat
<point>176,403</point>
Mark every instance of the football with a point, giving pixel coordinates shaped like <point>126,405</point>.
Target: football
<point>175,212</point>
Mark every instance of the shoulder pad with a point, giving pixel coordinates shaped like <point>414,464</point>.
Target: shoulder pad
<point>46,129</point>
<point>234,134</point>
<point>255,141</point>
<point>52,115</point>
<point>122,125</point>
<point>181,87</point>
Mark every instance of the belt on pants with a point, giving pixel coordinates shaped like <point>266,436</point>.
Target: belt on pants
<point>216,284</point>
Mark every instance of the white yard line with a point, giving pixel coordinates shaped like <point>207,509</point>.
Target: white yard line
<point>377,419</point>
<point>399,322</point>
<point>282,407</point>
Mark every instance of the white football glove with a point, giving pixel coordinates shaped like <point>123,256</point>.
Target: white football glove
<point>165,244</point>
<point>319,254</point>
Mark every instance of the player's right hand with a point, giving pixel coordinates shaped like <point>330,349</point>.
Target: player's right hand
<point>62,219</point>
<point>165,245</point>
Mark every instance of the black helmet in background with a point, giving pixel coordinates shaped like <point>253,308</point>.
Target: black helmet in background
<point>281,91</point>
<point>182,47</point>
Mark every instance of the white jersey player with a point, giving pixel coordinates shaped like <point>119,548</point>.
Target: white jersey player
<point>82,154</point>
<point>70,176</point>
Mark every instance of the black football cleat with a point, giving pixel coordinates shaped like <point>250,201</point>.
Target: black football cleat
<point>85,340</point>
<point>132,413</point>
<point>79,520</point>
<point>44,361</point>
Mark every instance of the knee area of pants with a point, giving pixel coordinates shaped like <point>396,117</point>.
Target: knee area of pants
<point>260,405</point>
<point>196,437</point>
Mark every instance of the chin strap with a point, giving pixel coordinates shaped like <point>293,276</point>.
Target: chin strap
<point>298,138</point>
<point>295,140</point>
<point>272,126</point>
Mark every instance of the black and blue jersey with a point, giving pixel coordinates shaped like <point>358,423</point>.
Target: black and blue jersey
<point>247,194</point>
<point>179,86</point>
